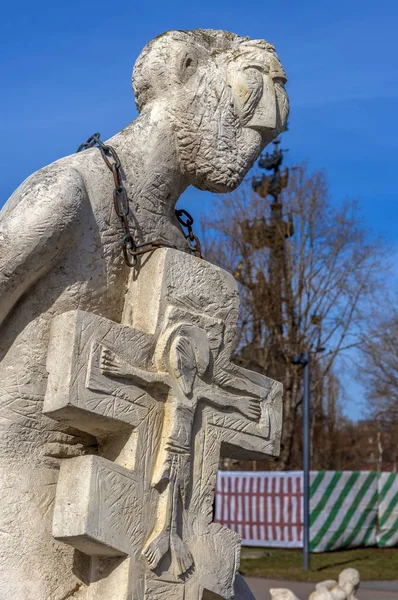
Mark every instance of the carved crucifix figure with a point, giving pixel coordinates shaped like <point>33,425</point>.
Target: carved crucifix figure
<point>160,393</point>
<point>186,358</point>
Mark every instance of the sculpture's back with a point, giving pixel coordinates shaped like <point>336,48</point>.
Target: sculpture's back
<point>209,102</point>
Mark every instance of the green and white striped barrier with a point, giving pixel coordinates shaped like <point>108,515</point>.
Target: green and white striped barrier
<point>343,509</point>
<point>348,509</point>
<point>387,522</point>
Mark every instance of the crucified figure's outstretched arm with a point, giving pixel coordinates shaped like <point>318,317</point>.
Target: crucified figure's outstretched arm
<point>114,366</point>
<point>247,405</point>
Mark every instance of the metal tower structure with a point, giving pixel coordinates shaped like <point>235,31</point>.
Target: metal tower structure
<point>271,232</point>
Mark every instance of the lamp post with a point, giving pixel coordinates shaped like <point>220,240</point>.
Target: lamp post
<point>304,360</point>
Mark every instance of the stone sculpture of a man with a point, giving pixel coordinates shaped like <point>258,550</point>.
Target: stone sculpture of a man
<point>209,102</point>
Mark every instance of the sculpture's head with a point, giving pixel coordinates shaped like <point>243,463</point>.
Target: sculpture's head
<point>225,97</point>
<point>349,581</point>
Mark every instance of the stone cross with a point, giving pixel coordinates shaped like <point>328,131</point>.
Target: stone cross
<point>164,400</point>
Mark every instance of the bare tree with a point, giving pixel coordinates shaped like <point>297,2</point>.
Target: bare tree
<point>378,370</point>
<point>307,272</point>
<point>379,365</point>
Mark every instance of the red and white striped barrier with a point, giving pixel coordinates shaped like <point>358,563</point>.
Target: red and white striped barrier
<point>264,510</point>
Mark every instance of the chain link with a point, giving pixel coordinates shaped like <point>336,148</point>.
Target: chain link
<point>131,250</point>
<point>193,240</point>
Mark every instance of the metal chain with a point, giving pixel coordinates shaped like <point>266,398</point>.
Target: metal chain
<point>122,208</point>
<point>193,240</point>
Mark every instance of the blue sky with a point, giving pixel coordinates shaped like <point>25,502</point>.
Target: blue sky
<point>66,67</point>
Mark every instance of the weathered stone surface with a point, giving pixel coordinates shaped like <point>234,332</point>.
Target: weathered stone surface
<point>161,394</point>
<point>209,102</point>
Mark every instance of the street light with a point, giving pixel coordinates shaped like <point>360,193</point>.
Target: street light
<point>304,360</point>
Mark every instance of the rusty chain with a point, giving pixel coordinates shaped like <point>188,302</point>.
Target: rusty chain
<point>131,250</point>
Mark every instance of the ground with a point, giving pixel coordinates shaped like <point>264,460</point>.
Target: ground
<point>277,563</point>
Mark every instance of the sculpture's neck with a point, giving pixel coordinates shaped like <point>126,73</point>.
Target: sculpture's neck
<point>153,178</point>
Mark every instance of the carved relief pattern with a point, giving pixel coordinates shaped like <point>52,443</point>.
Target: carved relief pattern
<point>156,402</point>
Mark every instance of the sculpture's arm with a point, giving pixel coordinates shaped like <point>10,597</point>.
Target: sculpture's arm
<point>249,407</point>
<point>114,366</point>
<point>36,227</point>
<point>242,380</point>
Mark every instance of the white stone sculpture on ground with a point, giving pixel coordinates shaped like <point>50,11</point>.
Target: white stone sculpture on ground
<point>125,369</point>
<point>343,589</point>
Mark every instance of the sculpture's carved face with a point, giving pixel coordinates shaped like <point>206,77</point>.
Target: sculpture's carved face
<point>225,98</point>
